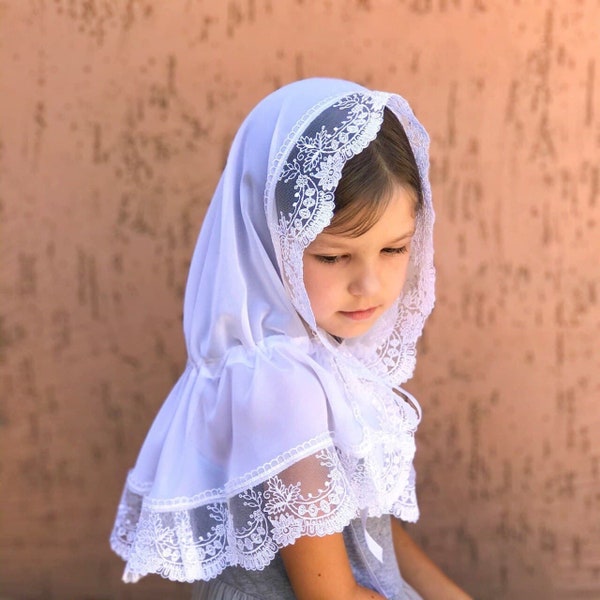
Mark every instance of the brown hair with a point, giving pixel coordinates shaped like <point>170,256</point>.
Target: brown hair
<point>369,178</point>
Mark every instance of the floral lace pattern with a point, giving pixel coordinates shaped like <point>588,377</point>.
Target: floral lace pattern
<point>316,496</point>
<point>314,166</point>
<point>305,186</point>
<point>299,201</point>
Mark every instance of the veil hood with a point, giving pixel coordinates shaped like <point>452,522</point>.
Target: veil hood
<point>234,292</point>
<point>275,430</point>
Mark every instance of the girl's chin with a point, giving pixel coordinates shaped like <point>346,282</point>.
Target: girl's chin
<point>350,330</point>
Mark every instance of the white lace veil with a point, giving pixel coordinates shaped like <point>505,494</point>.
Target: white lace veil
<point>274,430</point>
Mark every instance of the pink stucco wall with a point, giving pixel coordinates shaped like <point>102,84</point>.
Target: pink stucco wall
<point>115,121</point>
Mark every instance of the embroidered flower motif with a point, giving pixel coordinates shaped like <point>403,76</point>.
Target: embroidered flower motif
<point>286,529</point>
<point>301,182</point>
<point>312,149</point>
<point>280,496</point>
<point>330,171</point>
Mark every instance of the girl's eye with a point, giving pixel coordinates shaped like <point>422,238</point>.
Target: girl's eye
<point>328,260</point>
<point>402,250</point>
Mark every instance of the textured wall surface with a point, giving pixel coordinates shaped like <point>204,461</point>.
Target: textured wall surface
<point>116,116</point>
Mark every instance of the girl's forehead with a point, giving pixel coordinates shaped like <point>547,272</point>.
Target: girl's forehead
<point>360,215</point>
<point>355,221</point>
<point>395,224</point>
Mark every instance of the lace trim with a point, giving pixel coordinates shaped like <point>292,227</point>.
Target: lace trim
<point>278,163</point>
<point>306,173</point>
<point>317,495</point>
<point>235,486</point>
<point>299,203</point>
<point>315,165</point>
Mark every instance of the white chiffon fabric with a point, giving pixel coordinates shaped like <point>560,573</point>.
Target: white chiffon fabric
<point>275,430</point>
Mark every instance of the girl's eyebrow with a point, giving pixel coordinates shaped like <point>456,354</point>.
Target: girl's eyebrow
<point>408,234</point>
<point>331,240</point>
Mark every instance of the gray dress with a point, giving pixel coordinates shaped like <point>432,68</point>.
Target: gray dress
<point>272,583</point>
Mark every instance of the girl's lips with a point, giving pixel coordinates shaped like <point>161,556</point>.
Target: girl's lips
<point>359,315</point>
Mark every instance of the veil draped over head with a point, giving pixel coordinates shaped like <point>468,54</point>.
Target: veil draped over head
<point>275,430</point>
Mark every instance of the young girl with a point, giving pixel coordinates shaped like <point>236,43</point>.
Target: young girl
<point>281,463</point>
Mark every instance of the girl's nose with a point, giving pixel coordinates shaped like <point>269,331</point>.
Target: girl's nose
<point>365,281</point>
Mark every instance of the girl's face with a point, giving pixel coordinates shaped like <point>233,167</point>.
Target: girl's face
<point>352,281</point>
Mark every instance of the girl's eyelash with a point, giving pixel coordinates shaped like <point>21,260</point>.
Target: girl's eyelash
<point>402,250</point>
<point>331,260</point>
<point>328,260</point>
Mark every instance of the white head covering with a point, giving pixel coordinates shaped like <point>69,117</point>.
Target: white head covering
<point>275,430</point>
